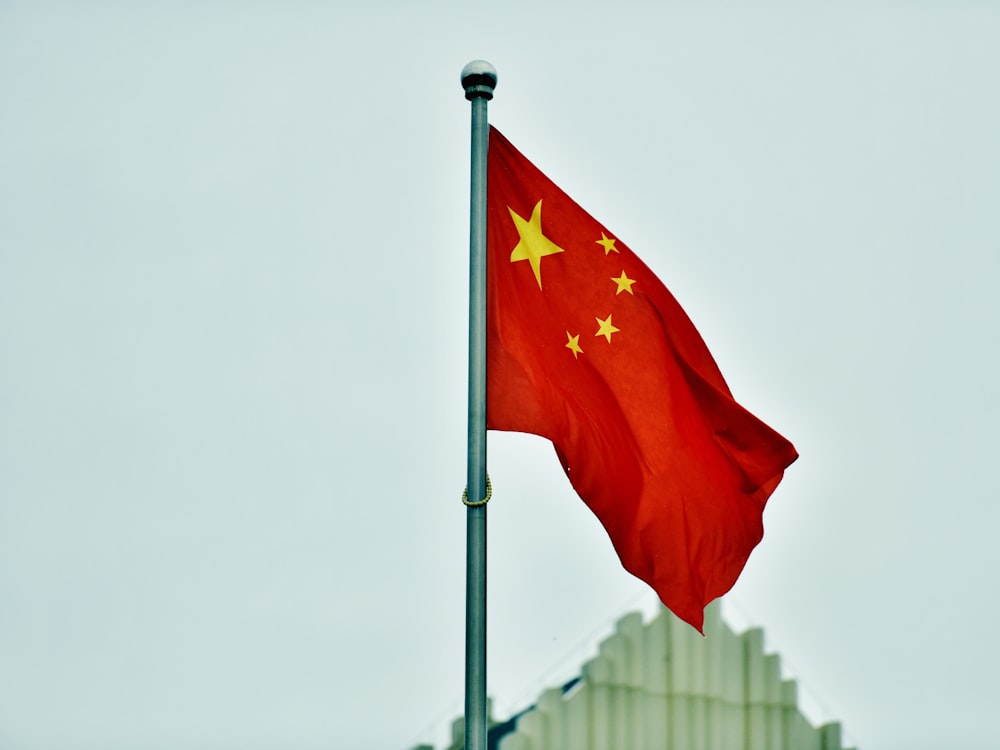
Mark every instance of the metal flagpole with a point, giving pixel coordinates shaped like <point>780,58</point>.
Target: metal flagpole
<point>479,78</point>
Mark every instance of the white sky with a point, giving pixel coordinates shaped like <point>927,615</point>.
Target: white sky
<point>233,319</point>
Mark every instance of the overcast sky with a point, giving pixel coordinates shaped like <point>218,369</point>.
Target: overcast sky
<point>233,320</point>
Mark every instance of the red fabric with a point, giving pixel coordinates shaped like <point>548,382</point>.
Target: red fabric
<point>644,424</point>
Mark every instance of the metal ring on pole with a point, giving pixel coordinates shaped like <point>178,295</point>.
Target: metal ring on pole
<point>489,494</point>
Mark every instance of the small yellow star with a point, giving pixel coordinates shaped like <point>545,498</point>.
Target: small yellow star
<point>624,284</point>
<point>607,243</point>
<point>606,328</point>
<point>533,245</point>
<point>574,345</point>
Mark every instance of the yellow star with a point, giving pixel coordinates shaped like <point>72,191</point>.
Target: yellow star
<point>607,243</point>
<point>624,284</point>
<point>533,245</point>
<point>574,345</point>
<point>606,329</point>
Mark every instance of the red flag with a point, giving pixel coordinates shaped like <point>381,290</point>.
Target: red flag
<point>586,347</point>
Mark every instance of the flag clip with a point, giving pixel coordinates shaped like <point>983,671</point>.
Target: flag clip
<point>489,494</point>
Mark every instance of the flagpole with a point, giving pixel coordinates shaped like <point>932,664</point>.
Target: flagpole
<point>479,78</point>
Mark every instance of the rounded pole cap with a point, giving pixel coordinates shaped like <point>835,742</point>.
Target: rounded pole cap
<point>479,78</point>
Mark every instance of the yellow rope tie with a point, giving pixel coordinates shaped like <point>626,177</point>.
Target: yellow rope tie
<point>489,494</point>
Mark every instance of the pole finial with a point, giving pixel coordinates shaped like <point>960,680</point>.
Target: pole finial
<point>479,78</point>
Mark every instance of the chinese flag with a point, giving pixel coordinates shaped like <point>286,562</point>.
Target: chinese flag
<point>586,347</point>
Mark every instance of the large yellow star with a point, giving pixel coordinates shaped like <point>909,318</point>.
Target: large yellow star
<point>574,345</point>
<point>606,328</point>
<point>533,245</point>
<point>624,284</point>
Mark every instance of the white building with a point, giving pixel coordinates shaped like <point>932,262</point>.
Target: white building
<point>661,686</point>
